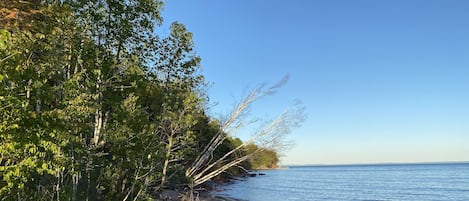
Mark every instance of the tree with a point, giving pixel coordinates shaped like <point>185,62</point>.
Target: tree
<point>265,158</point>
<point>271,136</point>
<point>72,74</point>
<point>32,155</point>
<point>94,105</point>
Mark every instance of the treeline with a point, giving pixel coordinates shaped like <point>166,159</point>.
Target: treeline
<point>95,106</point>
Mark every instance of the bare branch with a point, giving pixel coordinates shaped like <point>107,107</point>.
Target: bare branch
<point>272,136</point>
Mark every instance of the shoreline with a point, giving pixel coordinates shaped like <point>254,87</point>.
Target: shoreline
<point>173,195</point>
<point>207,193</point>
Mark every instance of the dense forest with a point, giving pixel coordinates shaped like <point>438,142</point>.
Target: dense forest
<point>95,106</point>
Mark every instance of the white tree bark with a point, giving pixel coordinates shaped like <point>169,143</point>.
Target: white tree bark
<point>272,136</point>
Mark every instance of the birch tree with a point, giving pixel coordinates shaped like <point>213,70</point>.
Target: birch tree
<point>176,73</point>
<point>271,136</point>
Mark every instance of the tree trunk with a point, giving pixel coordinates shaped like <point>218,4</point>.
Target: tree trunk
<point>97,127</point>
<point>166,161</point>
<point>98,118</point>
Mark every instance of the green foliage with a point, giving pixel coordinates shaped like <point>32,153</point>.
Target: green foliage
<point>94,105</point>
<point>4,37</point>
<point>263,158</point>
<point>88,98</point>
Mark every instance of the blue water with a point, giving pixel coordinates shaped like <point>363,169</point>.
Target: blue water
<point>409,182</point>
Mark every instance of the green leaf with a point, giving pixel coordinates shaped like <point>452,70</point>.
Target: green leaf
<point>4,36</point>
<point>40,35</point>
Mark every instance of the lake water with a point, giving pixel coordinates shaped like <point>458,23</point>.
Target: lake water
<point>409,182</point>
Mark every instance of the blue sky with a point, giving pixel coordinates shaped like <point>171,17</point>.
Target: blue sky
<point>383,81</point>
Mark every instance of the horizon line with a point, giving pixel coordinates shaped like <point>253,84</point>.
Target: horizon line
<point>379,163</point>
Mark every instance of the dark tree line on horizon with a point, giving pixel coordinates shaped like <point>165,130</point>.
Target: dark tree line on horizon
<point>95,106</point>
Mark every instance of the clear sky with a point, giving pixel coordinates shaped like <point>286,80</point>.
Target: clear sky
<point>383,81</point>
